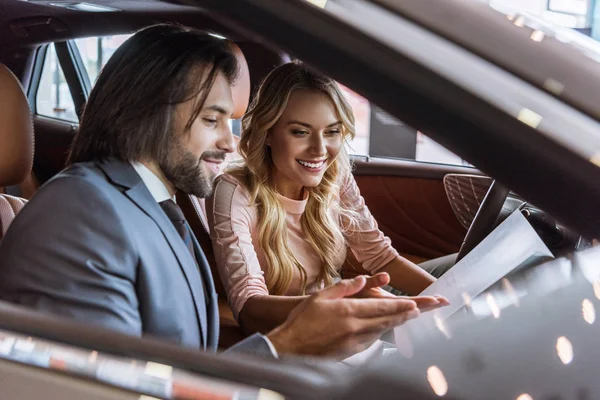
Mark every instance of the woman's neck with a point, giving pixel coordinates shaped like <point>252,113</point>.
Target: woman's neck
<point>288,189</point>
<point>297,194</point>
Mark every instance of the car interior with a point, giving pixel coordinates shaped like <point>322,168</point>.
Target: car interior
<point>427,209</point>
<point>408,199</point>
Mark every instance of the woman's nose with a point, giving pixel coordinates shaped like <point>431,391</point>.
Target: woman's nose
<point>318,146</point>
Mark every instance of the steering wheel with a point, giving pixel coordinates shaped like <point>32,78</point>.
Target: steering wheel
<point>484,220</point>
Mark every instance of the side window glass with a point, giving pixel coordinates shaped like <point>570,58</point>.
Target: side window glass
<point>53,98</point>
<point>378,134</point>
<point>96,51</point>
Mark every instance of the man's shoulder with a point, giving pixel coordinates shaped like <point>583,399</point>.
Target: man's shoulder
<point>80,183</point>
<point>88,175</point>
<point>79,172</point>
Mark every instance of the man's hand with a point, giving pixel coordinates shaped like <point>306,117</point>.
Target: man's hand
<point>373,289</point>
<point>329,323</point>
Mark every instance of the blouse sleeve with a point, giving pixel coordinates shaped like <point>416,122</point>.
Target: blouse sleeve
<point>231,220</point>
<point>368,244</point>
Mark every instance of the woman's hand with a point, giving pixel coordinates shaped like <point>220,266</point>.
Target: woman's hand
<point>373,289</point>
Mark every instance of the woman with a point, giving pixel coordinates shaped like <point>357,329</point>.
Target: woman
<point>282,220</point>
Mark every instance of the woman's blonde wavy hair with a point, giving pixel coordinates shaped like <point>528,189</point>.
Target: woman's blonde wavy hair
<point>322,220</point>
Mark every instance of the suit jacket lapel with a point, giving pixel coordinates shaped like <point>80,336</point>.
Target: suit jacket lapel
<point>124,175</point>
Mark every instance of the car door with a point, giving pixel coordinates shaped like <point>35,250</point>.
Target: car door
<point>56,95</point>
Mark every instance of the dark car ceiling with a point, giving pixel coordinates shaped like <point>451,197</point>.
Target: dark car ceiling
<point>24,23</point>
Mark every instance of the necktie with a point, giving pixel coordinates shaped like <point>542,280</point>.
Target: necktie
<point>178,220</point>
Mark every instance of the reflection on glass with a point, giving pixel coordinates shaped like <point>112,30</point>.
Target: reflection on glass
<point>537,36</point>
<point>466,299</point>
<point>564,348</point>
<point>519,21</point>
<point>589,312</point>
<point>437,380</point>
<point>554,86</point>
<point>597,289</point>
<point>264,394</point>
<point>217,36</point>
<point>441,325</point>
<point>491,301</point>
<point>158,370</point>
<point>318,3</point>
<point>530,117</point>
<point>524,396</point>
<point>510,291</point>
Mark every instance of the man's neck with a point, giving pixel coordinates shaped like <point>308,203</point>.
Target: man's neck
<point>152,166</point>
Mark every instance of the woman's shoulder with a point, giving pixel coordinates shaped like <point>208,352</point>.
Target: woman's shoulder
<point>228,179</point>
<point>230,185</point>
<point>346,182</point>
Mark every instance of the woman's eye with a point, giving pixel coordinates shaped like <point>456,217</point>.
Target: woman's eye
<point>334,132</point>
<point>210,121</point>
<point>300,133</point>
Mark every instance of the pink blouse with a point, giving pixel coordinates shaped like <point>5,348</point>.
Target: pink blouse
<point>241,263</point>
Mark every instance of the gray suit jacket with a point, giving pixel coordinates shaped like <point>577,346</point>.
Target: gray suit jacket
<point>94,245</point>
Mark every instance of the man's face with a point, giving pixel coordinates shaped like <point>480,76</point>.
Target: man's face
<point>194,158</point>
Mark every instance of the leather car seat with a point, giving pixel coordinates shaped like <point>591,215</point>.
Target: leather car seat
<point>16,144</point>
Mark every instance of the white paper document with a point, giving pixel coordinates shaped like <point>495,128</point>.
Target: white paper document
<point>513,244</point>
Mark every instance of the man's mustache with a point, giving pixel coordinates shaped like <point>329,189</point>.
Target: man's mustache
<point>213,155</point>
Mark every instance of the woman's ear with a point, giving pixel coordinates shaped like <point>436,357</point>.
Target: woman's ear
<point>268,140</point>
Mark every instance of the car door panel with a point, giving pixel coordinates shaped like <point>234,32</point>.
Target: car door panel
<point>409,201</point>
<point>53,139</point>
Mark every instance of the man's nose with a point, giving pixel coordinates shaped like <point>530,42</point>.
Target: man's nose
<point>226,142</point>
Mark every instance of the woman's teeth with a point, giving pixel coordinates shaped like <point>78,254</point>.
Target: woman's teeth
<point>311,165</point>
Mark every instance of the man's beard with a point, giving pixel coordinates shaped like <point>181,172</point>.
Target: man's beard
<point>184,171</point>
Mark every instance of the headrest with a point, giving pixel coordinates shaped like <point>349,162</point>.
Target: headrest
<point>262,61</point>
<point>240,90</point>
<point>16,131</point>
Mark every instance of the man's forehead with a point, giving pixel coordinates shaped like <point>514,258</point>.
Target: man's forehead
<point>219,97</point>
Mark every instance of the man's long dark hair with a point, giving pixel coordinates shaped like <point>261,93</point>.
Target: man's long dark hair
<point>129,114</point>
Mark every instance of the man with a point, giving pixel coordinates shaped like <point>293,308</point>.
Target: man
<point>103,242</point>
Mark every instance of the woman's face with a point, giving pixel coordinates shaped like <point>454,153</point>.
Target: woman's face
<point>304,142</point>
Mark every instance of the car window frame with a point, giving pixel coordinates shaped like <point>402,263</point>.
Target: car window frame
<point>66,56</point>
<point>77,79</point>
